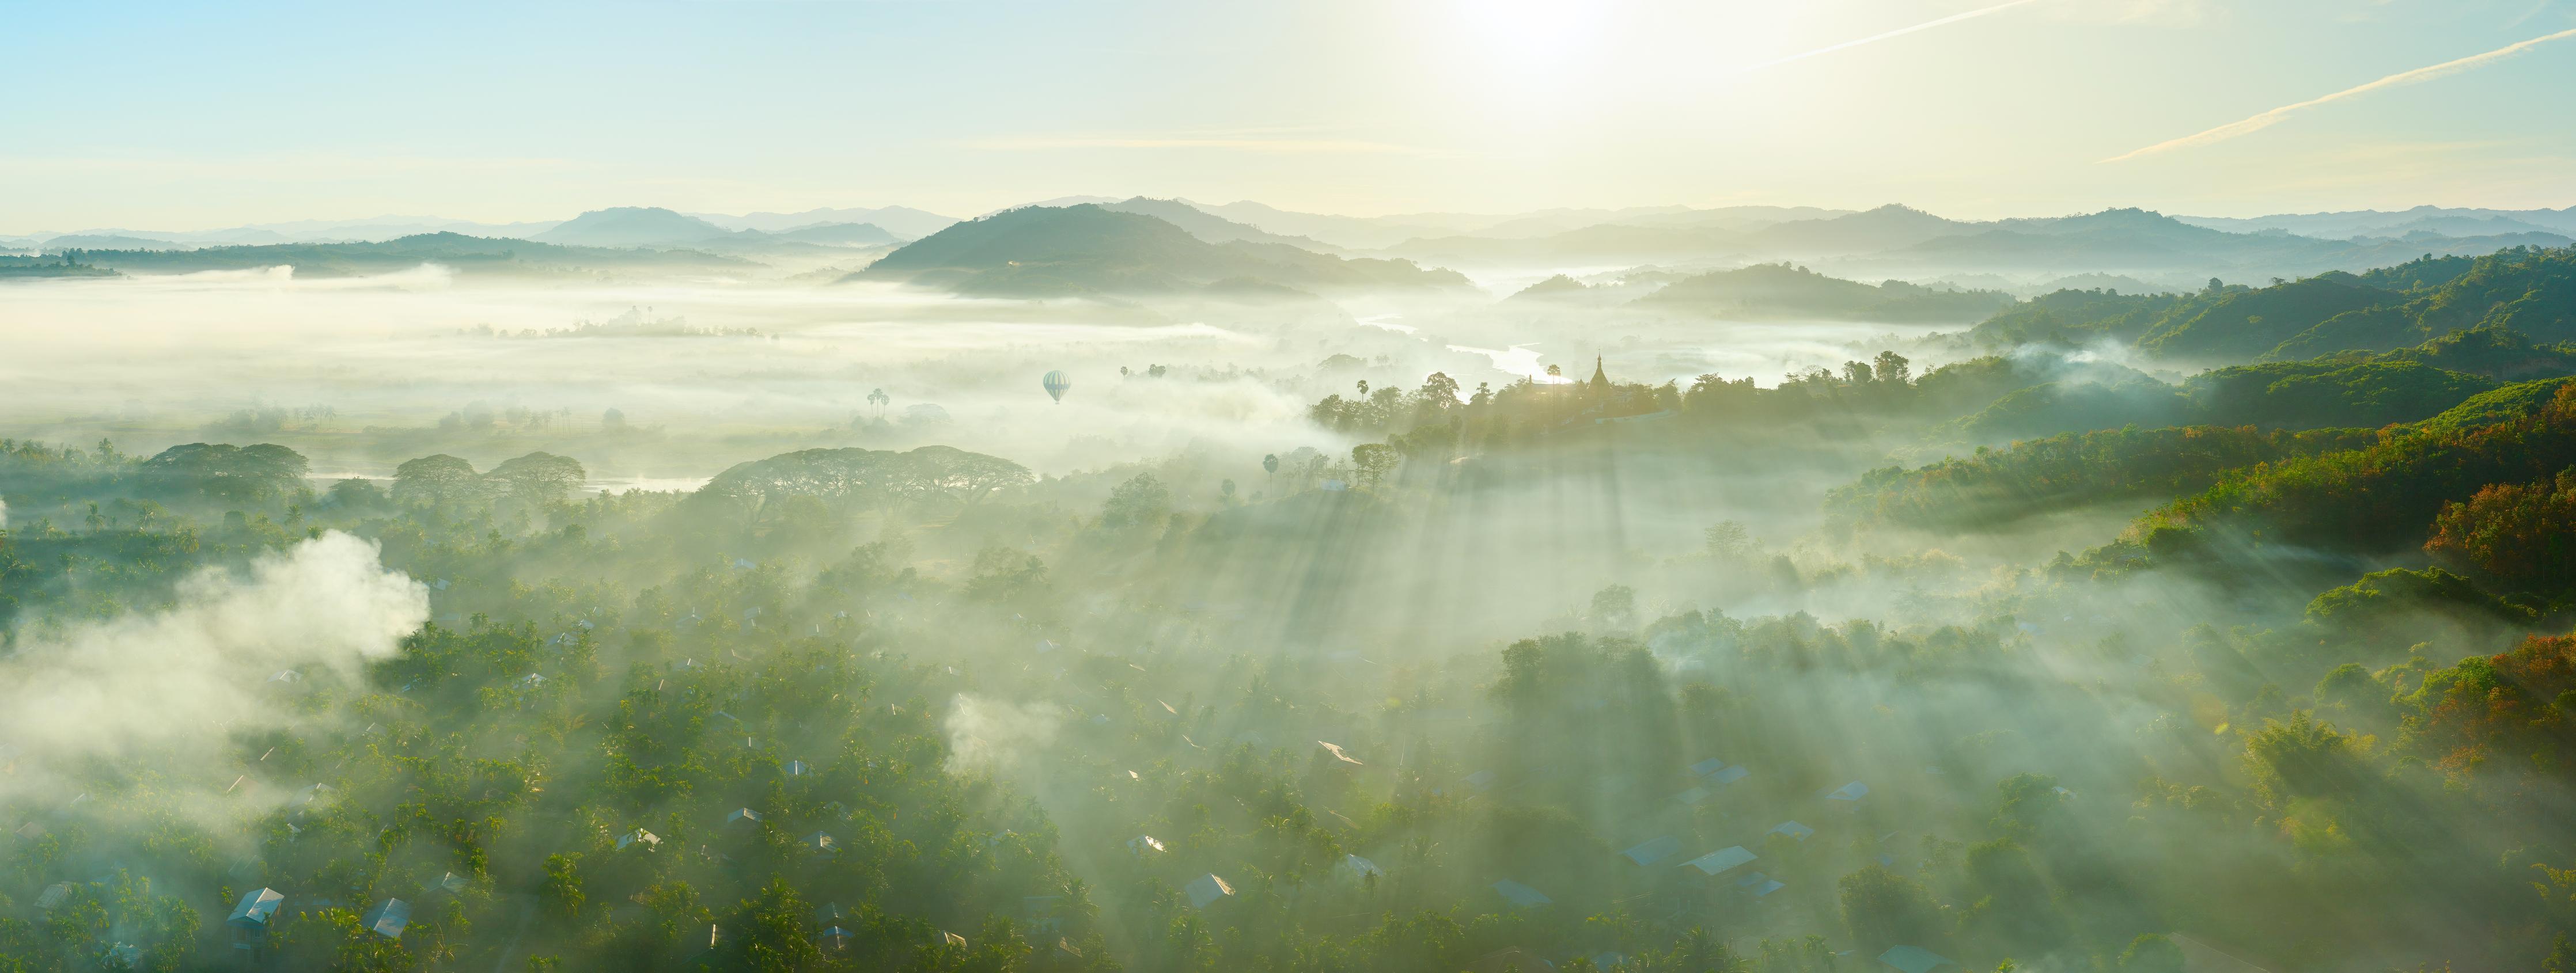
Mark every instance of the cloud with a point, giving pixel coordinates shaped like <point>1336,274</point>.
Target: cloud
<point>176,677</point>
<point>1899,32</point>
<point>2276,116</point>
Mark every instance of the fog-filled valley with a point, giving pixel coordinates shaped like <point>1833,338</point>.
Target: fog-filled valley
<point>1134,584</point>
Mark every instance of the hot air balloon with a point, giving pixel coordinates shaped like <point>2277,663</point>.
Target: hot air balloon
<point>1056,383</point>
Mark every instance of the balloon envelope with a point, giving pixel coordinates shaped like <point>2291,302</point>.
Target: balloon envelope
<point>1056,383</point>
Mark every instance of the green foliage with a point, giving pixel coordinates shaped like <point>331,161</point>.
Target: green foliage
<point>1883,909</point>
<point>2386,495</point>
<point>1141,501</point>
<point>2151,953</point>
<point>229,473</point>
<point>2388,606</point>
<point>2242,324</point>
<point>2522,535</point>
<point>2494,351</point>
<point>2039,475</point>
<point>2314,394</point>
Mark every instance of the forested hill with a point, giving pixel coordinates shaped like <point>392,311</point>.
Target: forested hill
<point>2530,290</point>
<point>31,267</point>
<point>1782,289</point>
<point>2383,497</point>
<point>1086,249</point>
<point>2110,435</point>
<point>479,256</point>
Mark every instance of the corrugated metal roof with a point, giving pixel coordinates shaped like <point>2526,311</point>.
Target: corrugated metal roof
<point>1207,889</point>
<point>1654,850</point>
<point>389,919</point>
<point>1521,896</point>
<point>256,907</point>
<point>1720,860</point>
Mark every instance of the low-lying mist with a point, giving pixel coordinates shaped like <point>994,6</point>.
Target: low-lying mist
<point>704,623</point>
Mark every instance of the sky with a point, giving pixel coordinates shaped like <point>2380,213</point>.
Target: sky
<point>176,117</point>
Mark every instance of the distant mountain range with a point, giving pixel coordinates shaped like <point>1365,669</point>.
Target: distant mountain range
<point>1898,241</point>
<point>1384,232</point>
<point>2379,223</point>
<point>477,256</point>
<point>617,226</point>
<point>374,229</point>
<point>903,222</point>
<point>1043,251</point>
<point>1252,242</point>
<point>2138,241</point>
<point>644,226</point>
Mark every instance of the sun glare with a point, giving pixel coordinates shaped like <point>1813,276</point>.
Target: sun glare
<point>1530,32</point>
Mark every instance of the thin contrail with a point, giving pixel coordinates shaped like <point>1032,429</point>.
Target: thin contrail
<point>2270,118</point>
<point>1899,32</point>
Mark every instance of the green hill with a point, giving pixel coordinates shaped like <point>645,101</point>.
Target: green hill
<point>2529,290</point>
<point>1782,289</point>
<point>2495,351</point>
<point>1089,249</point>
<point>2384,497</point>
<point>1554,288</point>
<point>2240,325</point>
<point>2071,469</point>
<point>632,226</point>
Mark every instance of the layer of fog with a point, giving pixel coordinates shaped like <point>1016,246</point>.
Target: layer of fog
<point>227,655</point>
<point>708,374</point>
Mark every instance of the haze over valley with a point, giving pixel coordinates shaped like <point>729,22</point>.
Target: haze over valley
<point>1631,488</point>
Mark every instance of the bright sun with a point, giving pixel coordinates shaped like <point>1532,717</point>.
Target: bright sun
<point>1530,32</point>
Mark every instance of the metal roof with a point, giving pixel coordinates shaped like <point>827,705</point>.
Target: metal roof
<point>1207,889</point>
<point>1654,850</point>
<point>1849,792</point>
<point>389,919</point>
<point>1720,860</point>
<point>256,907</point>
<point>1913,959</point>
<point>1520,895</point>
